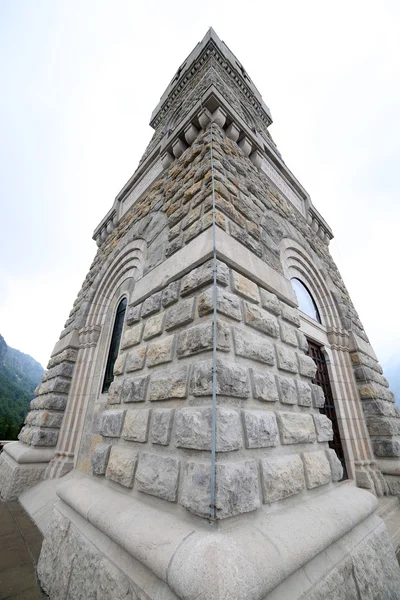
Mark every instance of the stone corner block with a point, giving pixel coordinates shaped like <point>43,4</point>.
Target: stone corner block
<point>317,469</point>
<point>121,466</point>
<point>282,476</point>
<point>158,476</point>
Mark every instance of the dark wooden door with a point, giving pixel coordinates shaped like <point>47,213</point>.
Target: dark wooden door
<point>322,379</point>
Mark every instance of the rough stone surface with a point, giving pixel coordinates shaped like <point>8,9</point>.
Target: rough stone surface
<point>335,465</point>
<point>286,359</point>
<point>151,304</point>
<point>200,338</point>
<point>153,326</point>
<point>323,427</point>
<point>168,384</point>
<point>170,294</point>
<point>121,466</point>
<point>136,425</point>
<point>290,314</point>
<point>261,429</point>
<point>160,352</point>
<point>296,428</point>
<point>161,426</point>
<point>318,397</point>
<point>259,319</point>
<point>270,302</point>
<point>287,390</point>
<point>307,366</point>
<point>282,476</point>
<point>15,478</point>
<point>134,389</point>
<point>136,358</point>
<point>133,314</point>
<point>302,340</point>
<point>232,379</point>
<point>253,346</point>
<point>193,429</point>
<point>264,386</point>
<point>245,287</point>
<point>196,488</point>
<point>119,364</point>
<point>100,458</point>
<point>227,304</point>
<point>386,448</point>
<point>131,336</point>
<point>316,468</point>
<point>114,392</point>
<point>111,422</point>
<point>237,488</point>
<point>383,426</point>
<point>304,395</point>
<point>202,275</point>
<point>288,334</point>
<point>158,475</point>
<point>180,314</point>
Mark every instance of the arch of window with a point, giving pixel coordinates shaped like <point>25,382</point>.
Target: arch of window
<point>306,302</point>
<point>114,345</point>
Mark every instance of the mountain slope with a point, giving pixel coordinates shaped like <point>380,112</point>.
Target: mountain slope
<point>19,375</point>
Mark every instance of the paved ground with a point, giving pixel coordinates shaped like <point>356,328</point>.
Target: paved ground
<point>20,543</point>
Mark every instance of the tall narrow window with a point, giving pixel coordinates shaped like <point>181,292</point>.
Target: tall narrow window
<point>306,301</point>
<point>114,346</point>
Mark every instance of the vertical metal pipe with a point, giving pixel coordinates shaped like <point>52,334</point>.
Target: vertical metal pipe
<point>214,374</point>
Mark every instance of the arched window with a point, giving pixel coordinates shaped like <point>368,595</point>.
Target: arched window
<point>114,346</point>
<point>306,301</point>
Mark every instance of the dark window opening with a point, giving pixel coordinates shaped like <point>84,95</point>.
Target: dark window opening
<point>114,346</point>
<point>322,379</point>
<point>306,302</point>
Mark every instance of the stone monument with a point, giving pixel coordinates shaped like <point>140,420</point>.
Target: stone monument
<point>213,407</point>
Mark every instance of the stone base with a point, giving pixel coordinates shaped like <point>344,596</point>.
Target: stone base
<point>21,467</point>
<point>332,547</point>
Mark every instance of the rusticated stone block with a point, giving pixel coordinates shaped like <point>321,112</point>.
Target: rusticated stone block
<point>270,302</point>
<point>133,314</point>
<point>302,340</point>
<point>114,392</point>
<point>390,448</point>
<point>170,294</point>
<point>57,384</point>
<point>151,305</point>
<point>153,326</point>
<point>374,391</point>
<point>288,334</point>
<point>193,428</point>
<point>253,346</point>
<point>44,418</point>
<point>135,360</point>
<point>100,458</point>
<point>160,352</point>
<point>237,489</point>
<point>169,384</point>
<point>158,475</point>
<point>335,465</point>
<point>121,466</point>
<point>111,422</point>
<point>136,425</point>
<point>286,359</point>
<point>49,401</point>
<point>264,386</point>
<point>134,389</point>
<point>227,304</point>
<point>67,355</point>
<point>180,314</point>
<point>323,427</point>
<point>261,429</point>
<point>282,476</point>
<point>296,428</point>
<point>382,426</point>
<point>119,364</point>
<point>287,390</point>
<point>381,408</point>
<point>245,287</point>
<point>35,436</point>
<point>63,369</point>
<point>131,336</point>
<point>307,366</point>
<point>161,425</point>
<point>290,314</point>
<point>231,379</point>
<point>196,488</point>
<point>200,338</point>
<point>304,395</point>
<point>259,319</point>
<point>316,468</point>
<point>318,396</point>
<point>204,274</point>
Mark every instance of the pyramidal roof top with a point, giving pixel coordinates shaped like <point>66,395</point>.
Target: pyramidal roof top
<point>210,46</point>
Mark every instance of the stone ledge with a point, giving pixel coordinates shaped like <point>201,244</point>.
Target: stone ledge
<point>263,548</point>
<point>24,454</point>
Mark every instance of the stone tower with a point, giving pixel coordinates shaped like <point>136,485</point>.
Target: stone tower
<point>213,398</point>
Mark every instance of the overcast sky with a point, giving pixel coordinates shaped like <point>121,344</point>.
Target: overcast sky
<point>79,80</point>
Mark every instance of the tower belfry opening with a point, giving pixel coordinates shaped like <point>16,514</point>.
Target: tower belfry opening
<point>189,374</point>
